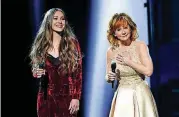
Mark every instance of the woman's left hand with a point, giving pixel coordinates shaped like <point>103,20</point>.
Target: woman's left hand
<point>74,106</point>
<point>124,58</point>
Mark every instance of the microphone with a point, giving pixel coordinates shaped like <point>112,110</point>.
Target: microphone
<point>113,67</point>
<point>43,80</point>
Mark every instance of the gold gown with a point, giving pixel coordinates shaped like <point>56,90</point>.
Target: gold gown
<point>133,97</point>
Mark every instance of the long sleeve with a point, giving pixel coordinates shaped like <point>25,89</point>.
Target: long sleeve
<point>76,80</point>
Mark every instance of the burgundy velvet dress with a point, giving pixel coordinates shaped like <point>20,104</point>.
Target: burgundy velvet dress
<point>61,90</point>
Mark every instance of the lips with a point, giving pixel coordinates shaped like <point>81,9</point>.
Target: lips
<point>125,35</point>
<point>59,26</point>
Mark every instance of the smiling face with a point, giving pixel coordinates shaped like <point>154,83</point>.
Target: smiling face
<point>122,30</point>
<point>123,33</point>
<point>58,22</point>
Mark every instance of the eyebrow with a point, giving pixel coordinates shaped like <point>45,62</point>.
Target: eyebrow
<point>57,16</point>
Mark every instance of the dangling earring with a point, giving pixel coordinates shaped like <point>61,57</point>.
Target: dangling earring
<point>114,35</point>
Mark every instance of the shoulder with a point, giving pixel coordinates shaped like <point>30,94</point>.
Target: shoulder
<point>142,48</point>
<point>74,40</point>
<point>110,51</point>
<point>141,44</point>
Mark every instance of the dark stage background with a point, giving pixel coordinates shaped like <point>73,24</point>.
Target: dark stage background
<point>18,27</point>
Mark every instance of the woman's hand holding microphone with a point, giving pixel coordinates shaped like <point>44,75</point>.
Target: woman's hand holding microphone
<point>38,72</point>
<point>110,76</point>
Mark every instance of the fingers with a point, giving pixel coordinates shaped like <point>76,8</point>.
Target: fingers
<point>72,110</point>
<point>119,55</point>
<point>111,73</point>
<point>119,58</point>
<point>38,72</point>
<point>74,107</point>
<point>111,76</point>
<point>77,108</point>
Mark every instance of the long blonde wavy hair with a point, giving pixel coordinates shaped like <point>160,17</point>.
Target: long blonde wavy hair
<point>69,54</point>
<point>117,21</point>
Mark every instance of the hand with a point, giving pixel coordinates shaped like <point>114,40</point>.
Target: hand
<point>111,76</point>
<point>124,58</point>
<point>74,106</point>
<point>38,72</point>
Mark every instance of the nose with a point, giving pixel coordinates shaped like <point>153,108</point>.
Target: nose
<point>123,32</point>
<point>60,21</point>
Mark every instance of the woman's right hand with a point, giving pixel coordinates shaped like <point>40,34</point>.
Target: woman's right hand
<point>111,76</point>
<point>38,72</point>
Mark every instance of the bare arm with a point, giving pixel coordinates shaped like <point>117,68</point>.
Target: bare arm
<point>108,61</point>
<point>146,66</point>
<point>110,76</point>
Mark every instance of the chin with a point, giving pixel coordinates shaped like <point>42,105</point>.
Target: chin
<point>59,30</point>
<point>124,39</point>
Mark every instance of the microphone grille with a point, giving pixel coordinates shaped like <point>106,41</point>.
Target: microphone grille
<point>113,63</point>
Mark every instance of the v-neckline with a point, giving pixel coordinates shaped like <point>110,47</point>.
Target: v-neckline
<point>53,56</point>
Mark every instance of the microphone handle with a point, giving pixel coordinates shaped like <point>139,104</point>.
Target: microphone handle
<point>113,70</point>
<point>112,84</point>
<point>43,82</point>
